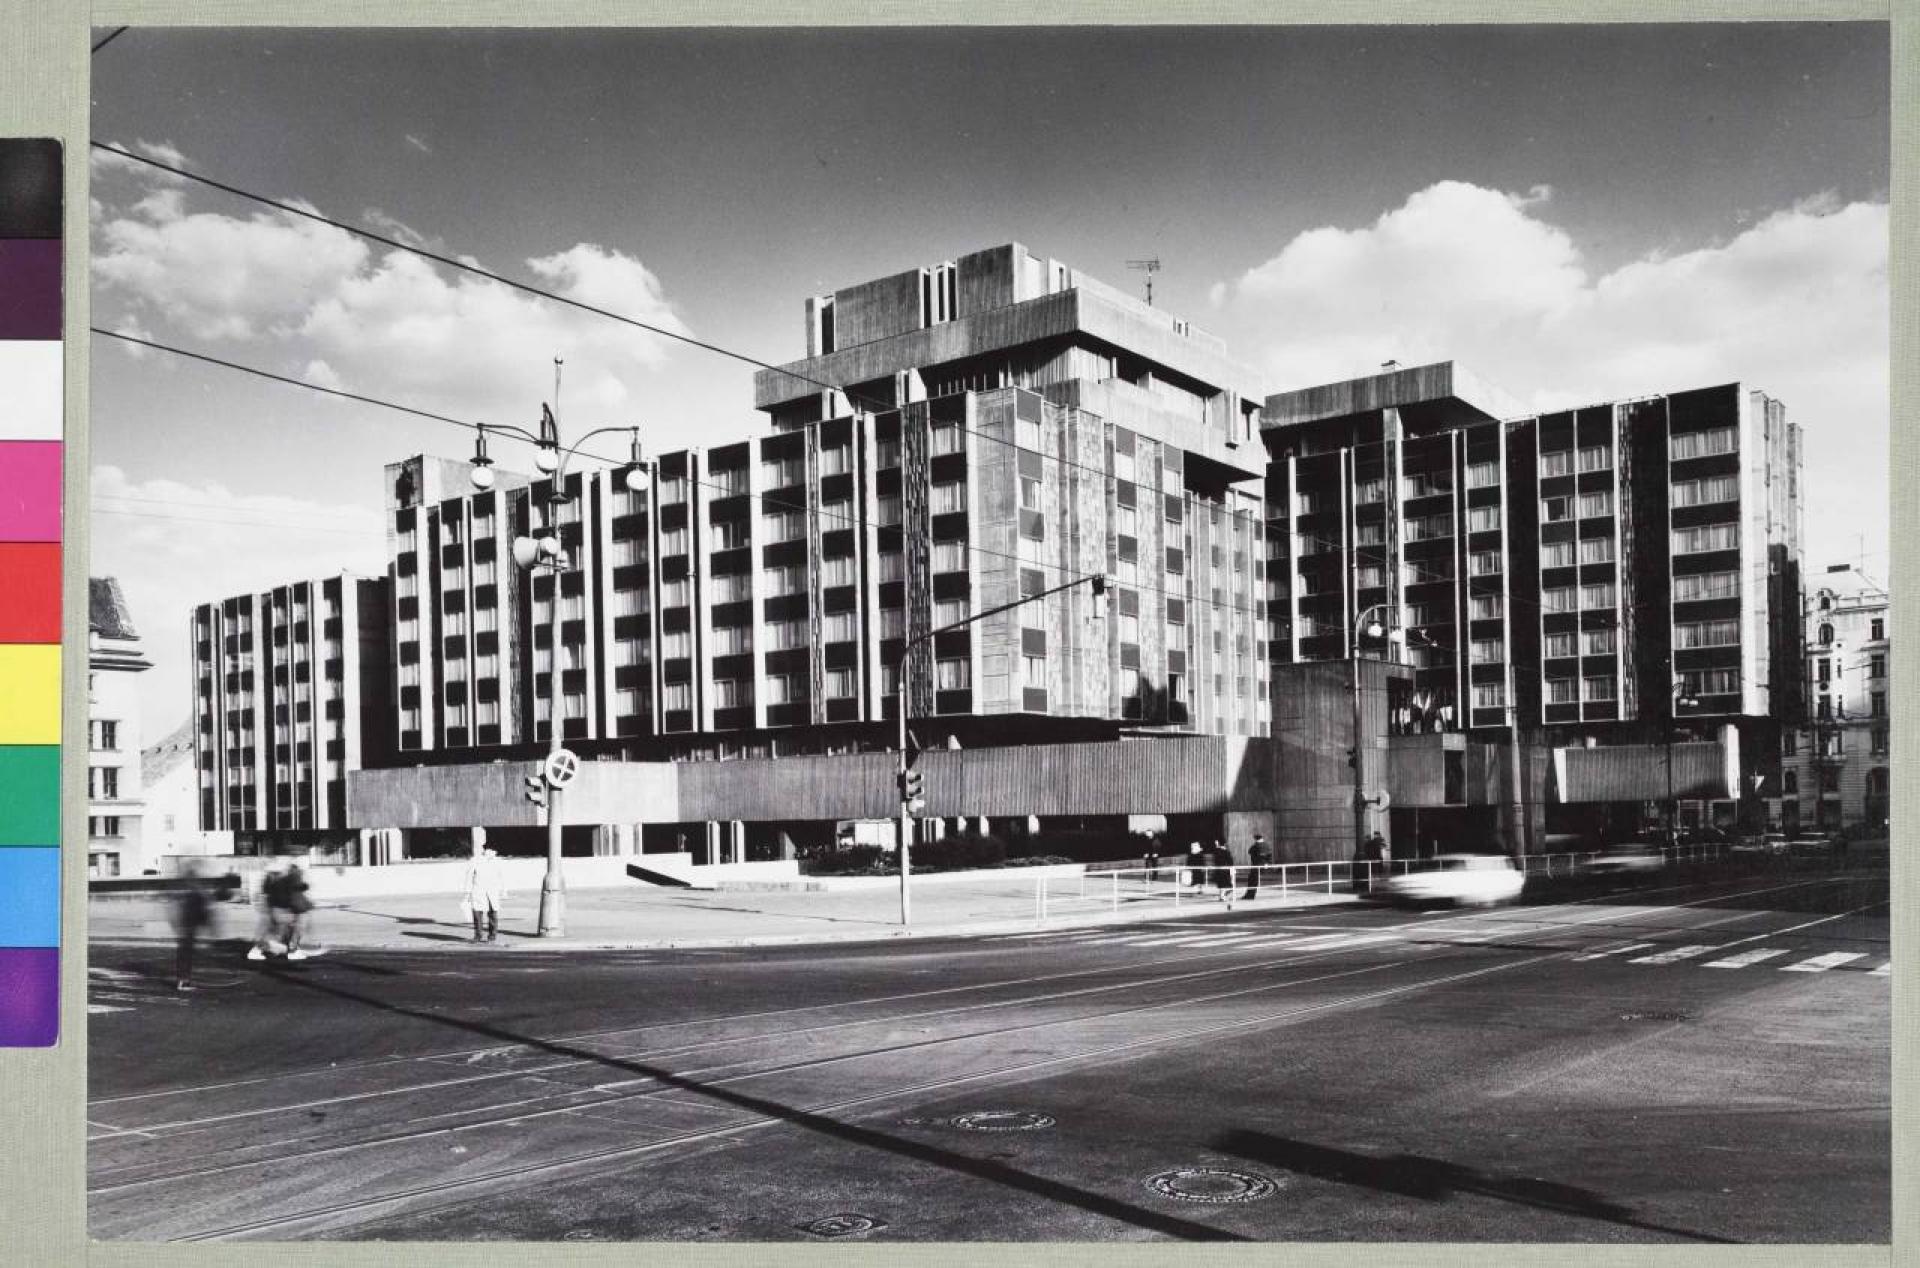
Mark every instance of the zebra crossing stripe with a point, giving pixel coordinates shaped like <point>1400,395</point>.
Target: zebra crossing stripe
<point>1821,963</point>
<point>1885,970</point>
<point>106,1008</point>
<point>1745,958</point>
<point>1668,957</point>
<point>1599,955</point>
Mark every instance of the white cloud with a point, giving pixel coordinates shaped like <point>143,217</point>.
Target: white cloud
<point>382,322</point>
<point>174,545</point>
<point>1796,305</point>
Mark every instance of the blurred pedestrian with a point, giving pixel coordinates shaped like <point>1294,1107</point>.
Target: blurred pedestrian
<point>267,934</point>
<point>1153,857</point>
<point>298,904</point>
<point>1259,854</point>
<point>1195,874</point>
<point>192,912</point>
<point>486,892</point>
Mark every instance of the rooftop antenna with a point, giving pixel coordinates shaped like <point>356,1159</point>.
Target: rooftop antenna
<point>1149,267</point>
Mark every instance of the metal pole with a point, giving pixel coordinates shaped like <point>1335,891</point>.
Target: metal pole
<point>1359,768</point>
<point>1516,802</point>
<point>553,888</point>
<point>906,826</point>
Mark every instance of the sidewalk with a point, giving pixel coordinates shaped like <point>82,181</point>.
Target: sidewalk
<point>640,917</point>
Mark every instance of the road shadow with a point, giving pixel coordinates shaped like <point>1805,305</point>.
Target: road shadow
<point>988,1170</point>
<point>436,937</point>
<point>1434,1180</point>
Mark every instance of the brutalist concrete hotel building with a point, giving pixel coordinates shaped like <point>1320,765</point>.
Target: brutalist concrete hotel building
<point>1567,604</point>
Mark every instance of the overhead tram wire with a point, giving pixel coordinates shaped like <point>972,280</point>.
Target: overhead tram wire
<point>866,404</point>
<point>853,521</point>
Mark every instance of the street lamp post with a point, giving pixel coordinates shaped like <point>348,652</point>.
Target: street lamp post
<point>907,777</point>
<point>1679,700</point>
<point>547,553</point>
<point>1369,625</point>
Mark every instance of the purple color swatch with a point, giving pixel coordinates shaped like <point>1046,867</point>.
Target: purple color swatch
<point>29,288</point>
<point>29,996</point>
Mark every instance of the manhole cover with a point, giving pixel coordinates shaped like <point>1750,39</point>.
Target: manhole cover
<point>1002,1121</point>
<point>845,1225</point>
<point>1656,1016</point>
<point>1212,1184</point>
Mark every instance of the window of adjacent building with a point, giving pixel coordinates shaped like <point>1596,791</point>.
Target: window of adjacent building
<point>893,622</point>
<point>1598,594</point>
<point>1563,690</point>
<point>1699,444</point>
<point>1596,550</point>
<point>1879,741</point>
<point>630,602</point>
<point>1489,695</point>
<point>950,556</point>
<point>893,565</point>
<point>1826,706</point>
<point>1481,475</point>
<point>1311,501</point>
<point>949,612</point>
<point>840,627</point>
<point>782,579</point>
<point>949,496</point>
<point>836,459</point>
<point>1877,629</point>
<point>410,674</point>
<point>1365,493</point>
<point>1556,555</point>
<point>676,644</point>
<point>837,514</point>
<point>842,571</point>
<point>1706,585</point>
<point>1483,563</point>
<point>1708,633</point>
<point>1598,687</point>
<point>1790,783</point>
<point>782,635</point>
<point>1710,682</point>
<point>1703,491</point>
<point>1598,642</point>
<point>1556,510</point>
<point>1823,669</point>
<point>1486,651</point>
<point>841,684</point>
<point>626,703</point>
<point>1877,665</point>
<point>1369,534</point>
<point>1789,743</point>
<point>1557,462</point>
<point>1595,458</point>
<point>674,594</point>
<point>407,586</point>
<point>1027,433</point>
<point>107,736</point>
<point>1034,670</point>
<point>1596,503</point>
<point>731,693</point>
<point>628,652</point>
<point>1483,607</point>
<point>1365,576</point>
<point>782,688</point>
<point>456,669</point>
<point>453,624</point>
<point>952,675</point>
<point>454,578</point>
<point>674,541</point>
<point>1426,483</point>
<point>1689,541</point>
<point>677,695</point>
<point>456,715</point>
<point>1482,518</point>
<point>1877,704</point>
<point>732,640</point>
<point>730,534</point>
<point>947,438</point>
<point>1422,528</point>
<point>789,524</point>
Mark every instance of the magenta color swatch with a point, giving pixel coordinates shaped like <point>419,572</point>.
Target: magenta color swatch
<point>30,491</point>
<point>29,996</point>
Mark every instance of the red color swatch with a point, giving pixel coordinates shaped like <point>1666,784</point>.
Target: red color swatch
<point>29,592</point>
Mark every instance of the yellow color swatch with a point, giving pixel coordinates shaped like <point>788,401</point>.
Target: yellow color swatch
<point>30,693</point>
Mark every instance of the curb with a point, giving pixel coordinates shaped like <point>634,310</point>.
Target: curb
<point>976,930</point>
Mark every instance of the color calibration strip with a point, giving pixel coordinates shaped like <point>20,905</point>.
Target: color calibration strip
<point>31,376</point>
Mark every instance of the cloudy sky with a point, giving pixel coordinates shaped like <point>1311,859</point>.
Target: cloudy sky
<point>1577,213</point>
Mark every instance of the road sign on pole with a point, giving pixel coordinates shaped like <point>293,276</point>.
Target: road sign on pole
<point>560,767</point>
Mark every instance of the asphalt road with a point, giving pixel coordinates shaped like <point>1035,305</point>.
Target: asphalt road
<point>1688,1061</point>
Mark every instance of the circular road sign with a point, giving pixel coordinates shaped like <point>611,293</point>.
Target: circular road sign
<point>560,768</point>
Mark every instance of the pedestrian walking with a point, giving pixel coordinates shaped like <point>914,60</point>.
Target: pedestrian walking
<point>1195,873</point>
<point>1222,859</point>
<point>284,891</point>
<point>1153,857</point>
<point>486,892</point>
<point>192,912</point>
<point>1259,854</point>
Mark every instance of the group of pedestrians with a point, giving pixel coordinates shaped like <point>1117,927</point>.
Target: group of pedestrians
<point>284,905</point>
<point>1212,865</point>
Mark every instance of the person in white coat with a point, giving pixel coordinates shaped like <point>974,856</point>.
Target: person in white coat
<point>486,892</point>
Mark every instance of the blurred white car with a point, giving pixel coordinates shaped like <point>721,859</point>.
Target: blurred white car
<point>1626,859</point>
<point>1469,880</point>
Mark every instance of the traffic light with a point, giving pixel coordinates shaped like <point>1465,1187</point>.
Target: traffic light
<point>537,789</point>
<point>913,785</point>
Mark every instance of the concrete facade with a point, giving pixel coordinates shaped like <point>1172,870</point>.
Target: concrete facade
<point>116,807</point>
